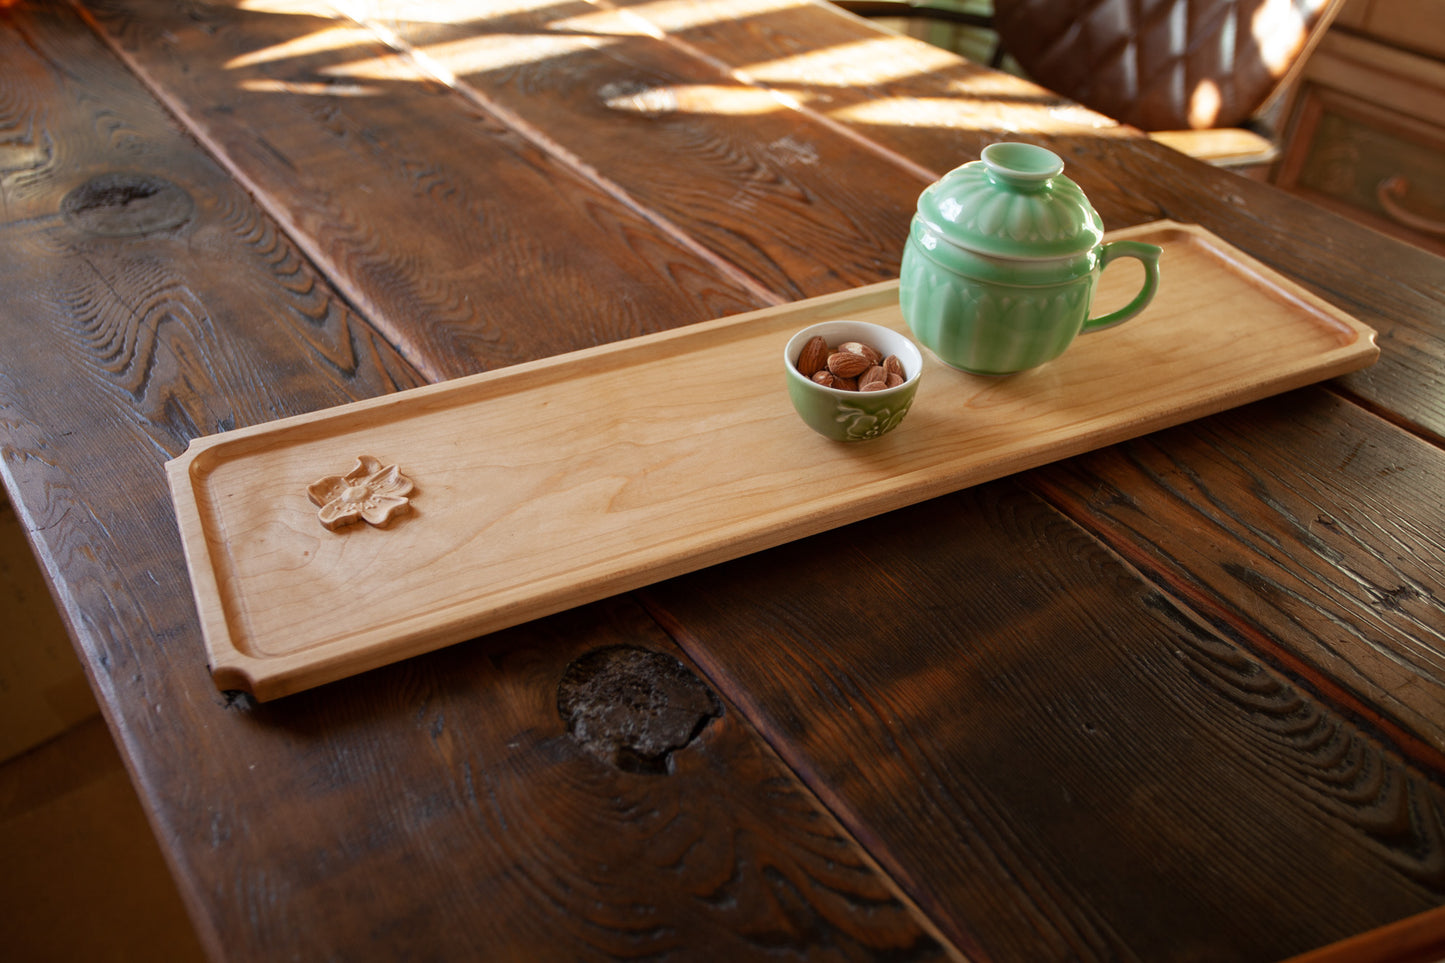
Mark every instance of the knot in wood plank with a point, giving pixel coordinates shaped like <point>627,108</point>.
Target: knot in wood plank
<point>632,708</point>
<point>126,204</point>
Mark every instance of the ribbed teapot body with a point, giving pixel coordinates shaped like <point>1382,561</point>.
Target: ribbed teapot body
<point>989,316</point>
<point>1001,262</point>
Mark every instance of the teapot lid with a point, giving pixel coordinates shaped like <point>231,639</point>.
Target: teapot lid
<point>1013,202</point>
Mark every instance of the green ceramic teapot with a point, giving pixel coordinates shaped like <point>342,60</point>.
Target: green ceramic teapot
<point>1002,260</point>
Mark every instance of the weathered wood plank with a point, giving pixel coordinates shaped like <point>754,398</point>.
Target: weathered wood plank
<point>903,98</point>
<point>121,347</point>
<point>444,804</point>
<point>468,244</point>
<point>131,263</point>
<point>787,199</point>
<point>493,832</point>
<point>1306,526</point>
<point>1058,760</point>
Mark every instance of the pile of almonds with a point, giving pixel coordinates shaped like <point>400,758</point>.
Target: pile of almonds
<point>852,366</point>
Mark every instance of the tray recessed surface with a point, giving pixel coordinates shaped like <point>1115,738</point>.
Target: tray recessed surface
<point>558,482</point>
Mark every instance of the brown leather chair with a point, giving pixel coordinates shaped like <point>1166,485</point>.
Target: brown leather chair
<point>1173,67</point>
<point>1164,64</point>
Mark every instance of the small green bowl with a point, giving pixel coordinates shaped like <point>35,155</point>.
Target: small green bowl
<point>853,415</point>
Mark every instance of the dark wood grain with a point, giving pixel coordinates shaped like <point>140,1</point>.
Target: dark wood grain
<point>1086,737</point>
<point>770,189</point>
<point>1059,760</point>
<point>439,808</point>
<point>1305,526</point>
<point>903,99</point>
<point>144,320</point>
<point>511,839</point>
<point>120,349</point>
<point>467,243</point>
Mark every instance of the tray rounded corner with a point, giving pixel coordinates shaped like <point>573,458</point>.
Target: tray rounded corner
<point>233,677</point>
<point>198,458</point>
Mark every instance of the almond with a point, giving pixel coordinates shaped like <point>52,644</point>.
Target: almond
<point>894,380</point>
<point>813,356</point>
<point>874,375</point>
<point>873,386</point>
<point>825,378</point>
<point>847,364</point>
<point>845,384</point>
<point>858,347</point>
<point>894,366</point>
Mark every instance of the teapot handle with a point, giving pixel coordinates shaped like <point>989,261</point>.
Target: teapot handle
<point>1148,254</point>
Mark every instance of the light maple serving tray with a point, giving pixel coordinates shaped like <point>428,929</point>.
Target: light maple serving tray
<point>562,481</point>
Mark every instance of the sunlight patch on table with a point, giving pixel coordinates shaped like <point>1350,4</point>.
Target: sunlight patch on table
<point>858,64</point>
<point>475,55</point>
<point>299,8</point>
<point>965,114</point>
<point>730,100</point>
<point>265,85</point>
<point>444,11</point>
<point>619,22</point>
<point>675,15</point>
<point>321,41</point>
<point>999,86</point>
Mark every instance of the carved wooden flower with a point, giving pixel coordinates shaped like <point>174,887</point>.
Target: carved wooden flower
<point>371,491</point>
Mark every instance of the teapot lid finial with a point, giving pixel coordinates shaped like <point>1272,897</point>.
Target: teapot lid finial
<point>1013,202</point>
<point>1025,166</point>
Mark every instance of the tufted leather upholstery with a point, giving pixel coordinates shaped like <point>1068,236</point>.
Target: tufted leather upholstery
<point>1162,64</point>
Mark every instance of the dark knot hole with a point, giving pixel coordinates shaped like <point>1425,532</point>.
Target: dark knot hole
<point>633,708</point>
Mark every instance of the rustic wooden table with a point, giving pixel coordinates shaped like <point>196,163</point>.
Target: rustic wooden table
<point>1182,698</point>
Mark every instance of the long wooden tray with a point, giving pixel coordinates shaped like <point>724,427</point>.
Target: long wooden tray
<point>562,481</point>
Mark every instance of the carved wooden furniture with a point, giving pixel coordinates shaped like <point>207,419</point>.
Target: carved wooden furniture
<point>1178,697</point>
<point>1367,137</point>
